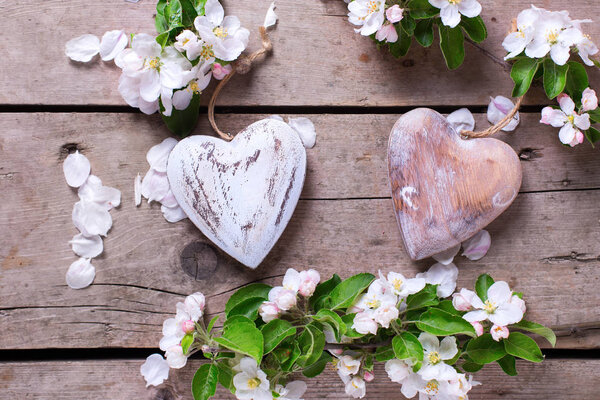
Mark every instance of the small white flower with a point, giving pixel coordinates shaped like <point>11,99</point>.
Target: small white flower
<point>183,97</point>
<point>477,247</point>
<point>442,275</point>
<point>385,314</point>
<point>397,370</point>
<point>268,311</point>
<point>461,120</point>
<point>499,108</point>
<point>348,365</point>
<point>271,17</point>
<point>292,391</point>
<point>192,307</point>
<point>172,333</point>
<point>553,35</point>
<point>175,357</point>
<point>435,353</point>
<point>498,308</point>
<point>394,14</point>
<point>291,280</point>
<point>463,301</point>
<point>451,10</point>
<point>187,42</point>
<point>305,129</point>
<point>87,247</point>
<point>401,286</point>
<point>499,332</point>
<point>251,382</point>
<point>459,387</point>
<point>309,280</point>
<point>447,256</point>
<point>379,292</point>
<point>81,274</point>
<point>589,100</point>
<point>516,42</point>
<point>284,298</point>
<point>112,43</point>
<point>364,323</point>
<point>82,48</point>
<point>368,14</point>
<point>356,387</point>
<point>567,118</point>
<point>76,169</point>
<point>155,370</point>
<point>387,33</point>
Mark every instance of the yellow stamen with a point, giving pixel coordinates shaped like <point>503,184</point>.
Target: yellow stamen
<point>432,388</point>
<point>374,303</point>
<point>207,52</point>
<point>220,32</point>
<point>434,357</point>
<point>397,283</point>
<point>154,63</point>
<point>185,41</point>
<point>454,1</point>
<point>571,119</point>
<point>490,307</point>
<point>253,383</point>
<point>552,36</point>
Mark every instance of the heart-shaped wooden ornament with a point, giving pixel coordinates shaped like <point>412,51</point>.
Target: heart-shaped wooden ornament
<point>446,189</point>
<point>240,194</point>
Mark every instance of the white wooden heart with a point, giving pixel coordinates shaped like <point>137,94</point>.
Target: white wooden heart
<point>240,194</point>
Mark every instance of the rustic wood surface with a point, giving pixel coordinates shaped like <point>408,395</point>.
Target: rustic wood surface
<point>446,189</point>
<point>546,244</point>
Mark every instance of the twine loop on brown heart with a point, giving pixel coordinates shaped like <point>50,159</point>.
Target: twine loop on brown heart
<point>242,66</point>
<point>497,127</point>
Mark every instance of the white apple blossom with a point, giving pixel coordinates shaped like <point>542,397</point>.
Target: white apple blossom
<point>172,332</point>
<point>251,382</point>
<point>292,391</point>
<point>364,323</point>
<point>442,275</point>
<point>499,108</point>
<point>589,100</point>
<point>387,32</point>
<point>401,286</point>
<point>87,247</point>
<point>354,386</point>
<point>223,36</point>
<point>81,274</point>
<point>183,97</point>
<point>555,35</point>
<point>499,332</point>
<point>435,353</point>
<point>451,10</point>
<point>187,42</point>
<point>368,376</point>
<point>192,307</point>
<point>368,14</point>
<point>516,41</point>
<point>586,48</point>
<point>175,357</point>
<point>462,301</point>
<point>155,370</point>
<point>76,169</point>
<point>477,247</point>
<point>268,311</point>
<point>284,298</point>
<point>385,314</point>
<point>568,119</point>
<point>459,387</point>
<point>498,308</point>
<point>309,280</point>
<point>348,365</point>
<point>394,14</point>
<point>398,370</point>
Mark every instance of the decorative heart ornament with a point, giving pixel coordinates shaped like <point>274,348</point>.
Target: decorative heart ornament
<point>446,189</point>
<point>240,194</point>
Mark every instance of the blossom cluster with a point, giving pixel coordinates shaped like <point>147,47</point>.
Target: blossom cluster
<point>90,216</point>
<point>540,32</point>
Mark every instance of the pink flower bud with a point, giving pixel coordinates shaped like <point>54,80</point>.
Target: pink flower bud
<point>394,14</point>
<point>220,71</point>
<point>337,352</point>
<point>368,376</point>
<point>518,301</point>
<point>462,301</point>
<point>188,326</point>
<point>478,328</point>
<point>282,297</point>
<point>268,311</point>
<point>205,348</point>
<point>499,332</point>
<point>589,100</point>
<point>308,282</point>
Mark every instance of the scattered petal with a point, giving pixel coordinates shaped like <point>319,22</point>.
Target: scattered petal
<point>91,219</point>
<point>137,190</point>
<point>478,246</point>
<point>305,129</point>
<point>169,200</point>
<point>499,108</point>
<point>174,214</point>
<point>155,185</point>
<point>461,120</point>
<point>113,42</point>
<point>155,370</point>
<point>159,154</point>
<point>271,17</point>
<point>276,117</point>
<point>81,274</point>
<point>76,169</point>
<point>93,191</point>
<point>446,257</point>
<point>87,247</point>
<point>82,48</point>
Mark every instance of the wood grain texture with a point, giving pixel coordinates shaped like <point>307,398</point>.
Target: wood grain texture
<point>121,380</point>
<point>317,58</point>
<point>446,189</point>
<point>240,194</point>
<point>545,245</point>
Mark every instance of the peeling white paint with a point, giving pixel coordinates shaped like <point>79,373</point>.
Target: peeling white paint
<point>406,193</point>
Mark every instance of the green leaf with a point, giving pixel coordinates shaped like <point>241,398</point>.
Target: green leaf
<point>204,383</point>
<point>522,74</point>
<point>595,115</point>
<point>322,291</point>
<point>447,306</point>
<point>317,367</point>
<point>482,285</point>
<point>248,308</point>
<point>349,321</point>
<point>555,78</point>
<point>421,9</point>
<point>592,135</point>
<point>160,21</point>
<point>199,6</point>
<point>292,358</point>
<point>182,122</point>
<point>312,343</point>
<point>508,365</point>
<point>475,28</point>
<point>226,376</point>
<point>536,328</point>
<point>247,292</point>
<point>275,332</point>
<point>400,47</point>
<point>520,345</point>
<point>471,366</point>
<point>332,319</point>
<point>242,336</point>
<point>577,80</point>
<point>424,32</point>
<point>407,346</point>
<point>189,13</point>
<point>452,45</point>
<point>425,298</point>
<point>347,291</point>
<point>173,13</point>
<point>186,342</point>
<point>408,25</point>
<point>212,323</point>
<point>484,349</point>
<point>384,353</point>
<point>442,323</point>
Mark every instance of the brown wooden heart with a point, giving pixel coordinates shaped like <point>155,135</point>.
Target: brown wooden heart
<point>446,189</point>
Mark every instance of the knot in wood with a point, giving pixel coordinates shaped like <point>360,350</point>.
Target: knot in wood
<point>199,260</point>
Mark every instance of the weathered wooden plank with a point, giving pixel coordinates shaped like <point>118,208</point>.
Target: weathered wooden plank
<point>318,59</point>
<point>121,379</point>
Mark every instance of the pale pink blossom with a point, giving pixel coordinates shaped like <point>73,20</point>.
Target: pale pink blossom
<point>268,311</point>
<point>308,282</point>
<point>462,300</point>
<point>387,33</point>
<point>478,328</point>
<point>221,71</point>
<point>368,376</point>
<point>394,14</point>
<point>589,100</point>
<point>499,332</point>
<point>363,323</point>
<point>570,122</point>
<point>284,298</point>
<point>188,326</point>
<point>519,302</point>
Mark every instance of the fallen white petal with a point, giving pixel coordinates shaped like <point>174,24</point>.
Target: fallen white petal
<point>87,247</point>
<point>155,370</point>
<point>93,191</point>
<point>461,120</point>
<point>169,200</point>
<point>478,246</point>
<point>137,190</point>
<point>174,214</point>
<point>81,274</point>
<point>112,43</point>
<point>158,155</point>
<point>305,129</point>
<point>76,169</point>
<point>446,257</point>
<point>271,17</point>
<point>155,185</point>
<point>498,108</point>
<point>91,218</point>
<point>82,48</point>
